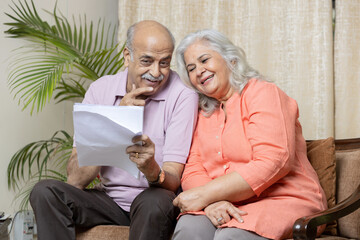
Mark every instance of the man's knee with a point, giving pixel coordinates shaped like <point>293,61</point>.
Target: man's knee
<point>154,201</point>
<point>44,190</point>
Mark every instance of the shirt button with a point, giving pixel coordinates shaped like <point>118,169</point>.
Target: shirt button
<point>225,166</point>
<point>219,153</point>
<point>217,137</point>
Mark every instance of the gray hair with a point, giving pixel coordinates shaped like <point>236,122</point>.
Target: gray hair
<point>234,56</point>
<point>130,38</point>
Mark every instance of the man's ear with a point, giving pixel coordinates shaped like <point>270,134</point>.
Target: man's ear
<point>127,57</point>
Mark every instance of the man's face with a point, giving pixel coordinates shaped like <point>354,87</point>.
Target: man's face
<point>150,66</point>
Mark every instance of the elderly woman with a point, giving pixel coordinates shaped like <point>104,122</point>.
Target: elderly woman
<point>247,175</point>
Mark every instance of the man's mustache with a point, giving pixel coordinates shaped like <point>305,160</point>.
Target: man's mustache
<point>152,78</point>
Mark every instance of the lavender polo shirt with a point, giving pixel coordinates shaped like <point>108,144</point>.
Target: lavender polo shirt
<point>169,120</point>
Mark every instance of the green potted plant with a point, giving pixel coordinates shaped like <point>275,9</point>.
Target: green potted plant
<point>58,62</point>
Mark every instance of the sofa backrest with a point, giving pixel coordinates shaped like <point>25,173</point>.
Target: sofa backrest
<point>337,163</point>
<point>348,179</point>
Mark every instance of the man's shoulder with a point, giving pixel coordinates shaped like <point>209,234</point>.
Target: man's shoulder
<point>109,84</point>
<point>108,80</point>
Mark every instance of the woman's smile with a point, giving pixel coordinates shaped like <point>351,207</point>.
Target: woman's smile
<point>206,80</point>
<point>208,71</point>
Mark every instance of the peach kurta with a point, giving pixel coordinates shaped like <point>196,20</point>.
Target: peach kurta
<point>262,140</point>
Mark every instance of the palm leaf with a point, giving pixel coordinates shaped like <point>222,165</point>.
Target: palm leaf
<point>62,57</point>
<point>61,48</point>
<point>70,89</point>
<point>38,155</point>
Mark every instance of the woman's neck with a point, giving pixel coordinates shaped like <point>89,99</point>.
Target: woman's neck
<point>226,97</point>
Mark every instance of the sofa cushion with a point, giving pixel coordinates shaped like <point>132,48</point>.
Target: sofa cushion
<point>103,232</point>
<point>348,178</point>
<point>321,154</point>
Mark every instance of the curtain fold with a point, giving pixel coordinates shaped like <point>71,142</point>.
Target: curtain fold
<point>289,41</point>
<point>347,69</point>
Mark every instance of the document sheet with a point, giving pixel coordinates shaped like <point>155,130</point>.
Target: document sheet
<point>102,134</point>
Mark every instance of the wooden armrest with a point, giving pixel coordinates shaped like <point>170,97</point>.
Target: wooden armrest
<point>306,227</point>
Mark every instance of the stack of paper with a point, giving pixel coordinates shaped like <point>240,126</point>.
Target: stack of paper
<point>102,134</point>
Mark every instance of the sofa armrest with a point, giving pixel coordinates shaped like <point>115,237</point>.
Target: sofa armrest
<point>306,227</point>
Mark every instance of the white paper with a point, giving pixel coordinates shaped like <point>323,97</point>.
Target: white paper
<point>102,134</point>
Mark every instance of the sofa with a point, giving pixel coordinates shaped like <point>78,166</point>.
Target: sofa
<point>337,163</point>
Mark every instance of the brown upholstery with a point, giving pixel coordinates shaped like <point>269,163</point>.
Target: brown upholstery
<point>346,210</point>
<point>106,232</point>
<point>348,175</point>
<point>321,155</point>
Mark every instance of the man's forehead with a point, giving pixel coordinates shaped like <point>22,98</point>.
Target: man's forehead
<point>153,49</point>
<point>154,54</point>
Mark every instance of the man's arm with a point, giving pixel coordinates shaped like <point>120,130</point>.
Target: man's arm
<point>143,156</point>
<point>80,177</point>
<point>173,171</point>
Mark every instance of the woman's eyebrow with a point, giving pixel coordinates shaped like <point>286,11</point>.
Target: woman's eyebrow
<point>189,65</point>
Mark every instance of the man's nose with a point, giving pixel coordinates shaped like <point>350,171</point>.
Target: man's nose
<point>155,70</point>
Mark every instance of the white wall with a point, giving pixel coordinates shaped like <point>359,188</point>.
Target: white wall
<point>17,127</point>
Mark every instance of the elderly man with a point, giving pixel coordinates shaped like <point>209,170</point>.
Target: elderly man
<point>170,115</point>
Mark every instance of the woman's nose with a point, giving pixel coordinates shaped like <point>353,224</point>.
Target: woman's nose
<point>200,70</point>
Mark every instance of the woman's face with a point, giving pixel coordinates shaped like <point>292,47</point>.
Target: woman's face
<point>208,71</point>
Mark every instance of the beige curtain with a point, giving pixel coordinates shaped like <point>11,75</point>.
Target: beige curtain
<point>288,41</point>
<point>347,69</point>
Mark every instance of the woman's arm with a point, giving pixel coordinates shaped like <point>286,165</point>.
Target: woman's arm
<point>230,187</point>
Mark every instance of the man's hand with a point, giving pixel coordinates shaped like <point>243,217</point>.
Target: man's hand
<point>77,176</point>
<point>143,155</point>
<point>134,97</point>
<point>222,212</point>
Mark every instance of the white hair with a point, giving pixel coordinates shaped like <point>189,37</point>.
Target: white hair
<point>234,56</point>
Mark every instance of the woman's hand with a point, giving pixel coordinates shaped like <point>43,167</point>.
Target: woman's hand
<point>221,212</point>
<point>191,200</point>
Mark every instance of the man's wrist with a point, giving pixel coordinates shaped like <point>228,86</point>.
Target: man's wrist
<point>160,178</point>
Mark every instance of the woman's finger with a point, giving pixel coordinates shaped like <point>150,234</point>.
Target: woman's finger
<point>236,213</point>
<point>214,221</point>
<point>176,202</point>
<point>226,217</point>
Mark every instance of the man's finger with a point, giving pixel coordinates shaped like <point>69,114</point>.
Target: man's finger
<point>146,141</point>
<point>138,102</point>
<point>139,91</point>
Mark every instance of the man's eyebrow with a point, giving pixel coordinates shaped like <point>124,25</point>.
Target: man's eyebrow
<point>146,56</point>
<point>166,58</point>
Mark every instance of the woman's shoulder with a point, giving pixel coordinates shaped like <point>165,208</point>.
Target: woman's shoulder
<point>256,83</point>
<point>260,92</point>
<point>259,87</point>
